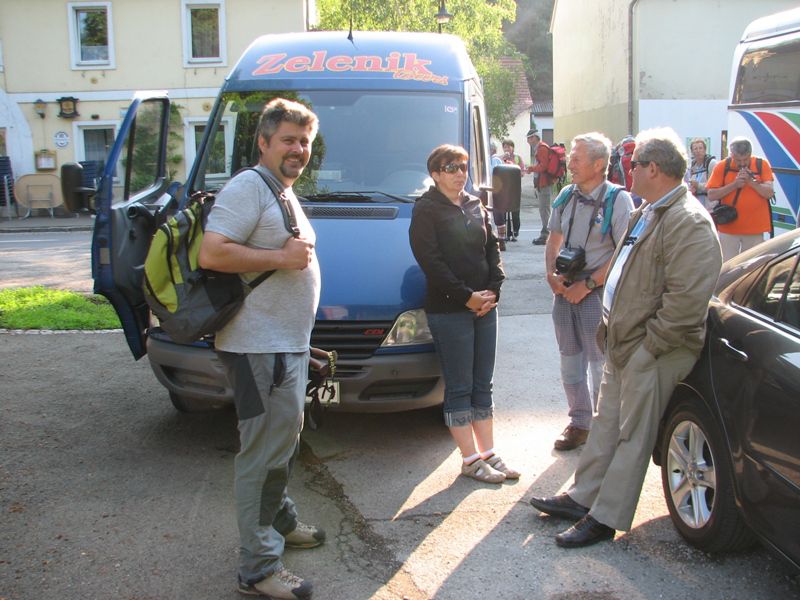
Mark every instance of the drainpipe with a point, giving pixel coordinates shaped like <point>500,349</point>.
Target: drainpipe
<point>631,8</point>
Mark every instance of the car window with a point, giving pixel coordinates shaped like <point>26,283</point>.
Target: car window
<point>791,305</point>
<point>767,294</point>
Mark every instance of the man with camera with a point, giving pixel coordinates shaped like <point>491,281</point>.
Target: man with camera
<point>585,224</point>
<point>743,185</point>
<point>655,304</point>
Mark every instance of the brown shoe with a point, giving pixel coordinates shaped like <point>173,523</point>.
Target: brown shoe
<point>571,438</point>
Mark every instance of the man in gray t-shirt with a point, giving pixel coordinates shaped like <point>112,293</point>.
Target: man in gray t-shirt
<point>265,346</point>
<point>582,222</point>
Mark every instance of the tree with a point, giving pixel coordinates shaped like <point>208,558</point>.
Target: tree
<point>478,22</point>
<point>529,34</point>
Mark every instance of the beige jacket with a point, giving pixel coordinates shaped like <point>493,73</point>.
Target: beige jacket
<point>661,299</point>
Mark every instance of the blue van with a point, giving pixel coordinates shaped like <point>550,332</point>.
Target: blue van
<point>384,101</point>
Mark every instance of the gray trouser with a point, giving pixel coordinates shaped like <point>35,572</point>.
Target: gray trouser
<point>545,200</point>
<point>575,328</point>
<point>613,465</point>
<point>269,392</point>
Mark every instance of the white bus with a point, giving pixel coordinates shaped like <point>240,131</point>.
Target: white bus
<point>765,105</point>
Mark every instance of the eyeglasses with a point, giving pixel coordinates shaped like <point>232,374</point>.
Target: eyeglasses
<point>644,163</point>
<point>453,167</point>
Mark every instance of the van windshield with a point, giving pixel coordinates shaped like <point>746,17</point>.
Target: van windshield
<point>367,142</point>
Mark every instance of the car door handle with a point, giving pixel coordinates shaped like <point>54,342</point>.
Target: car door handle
<point>734,352</point>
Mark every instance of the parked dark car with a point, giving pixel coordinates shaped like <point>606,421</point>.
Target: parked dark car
<point>729,443</point>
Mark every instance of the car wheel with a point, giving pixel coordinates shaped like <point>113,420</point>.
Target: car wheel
<point>190,404</point>
<point>697,477</point>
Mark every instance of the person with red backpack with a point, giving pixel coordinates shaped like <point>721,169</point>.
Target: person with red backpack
<point>542,181</point>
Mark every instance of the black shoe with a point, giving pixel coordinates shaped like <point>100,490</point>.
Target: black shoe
<point>560,506</point>
<point>540,241</point>
<point>585,532</point>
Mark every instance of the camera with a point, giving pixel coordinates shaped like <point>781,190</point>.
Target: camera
<point>570,262</point>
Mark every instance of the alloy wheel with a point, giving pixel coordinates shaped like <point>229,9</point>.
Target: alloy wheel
<point>692,477</point>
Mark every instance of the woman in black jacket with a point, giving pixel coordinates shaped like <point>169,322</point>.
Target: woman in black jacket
<point>453,242</point>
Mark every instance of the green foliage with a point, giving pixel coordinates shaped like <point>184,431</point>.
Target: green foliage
<point>498,87</point>
<point>478,22</point>
<point>43,308</point>
<point>530,35</point>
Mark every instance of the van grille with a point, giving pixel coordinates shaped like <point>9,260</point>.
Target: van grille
<point>350,212</point>
<point>352,340</point>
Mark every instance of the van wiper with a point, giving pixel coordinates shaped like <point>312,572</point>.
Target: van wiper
<point>355,196</point>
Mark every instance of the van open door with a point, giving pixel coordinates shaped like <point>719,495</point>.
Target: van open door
<point>130,193</point>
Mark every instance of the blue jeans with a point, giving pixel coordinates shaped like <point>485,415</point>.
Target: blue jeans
<point>466,346</point>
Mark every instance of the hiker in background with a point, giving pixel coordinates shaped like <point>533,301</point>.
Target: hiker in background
<point>744,182</point>
<point>499,206</point>
<point>588,217</point>
<point>512,223</point>
<point>697,173</point>
<point>265,347</point>
<point>541,182</point>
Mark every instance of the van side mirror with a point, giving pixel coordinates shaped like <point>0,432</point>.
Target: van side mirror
<point>506,187</point>
<point>76,195</point>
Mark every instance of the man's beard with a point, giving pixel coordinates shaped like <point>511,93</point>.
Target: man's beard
<point>292,171</point>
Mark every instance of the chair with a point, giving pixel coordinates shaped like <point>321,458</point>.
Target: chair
<point>41,190</point>
<point>6,184</point>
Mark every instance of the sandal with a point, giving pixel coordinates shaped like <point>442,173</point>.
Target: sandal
<point>497,464</point>
<point>482,472</point>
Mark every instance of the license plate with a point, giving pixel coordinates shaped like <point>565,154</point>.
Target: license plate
<point>328,396</point>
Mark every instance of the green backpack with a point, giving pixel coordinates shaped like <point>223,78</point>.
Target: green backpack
<point>191,302</point>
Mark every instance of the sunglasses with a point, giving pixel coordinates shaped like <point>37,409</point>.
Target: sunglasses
<point>644,163</point>
<point>453,167</point>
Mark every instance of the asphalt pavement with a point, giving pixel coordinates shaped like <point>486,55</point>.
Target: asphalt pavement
<point>107,492</point>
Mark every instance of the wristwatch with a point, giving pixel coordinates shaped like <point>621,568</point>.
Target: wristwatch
<point>590,283</point>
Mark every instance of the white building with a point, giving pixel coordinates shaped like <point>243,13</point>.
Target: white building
<point>91,56</point>
<point>620,66</point>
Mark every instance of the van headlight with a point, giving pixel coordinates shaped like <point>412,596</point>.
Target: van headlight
<point>409,328</point>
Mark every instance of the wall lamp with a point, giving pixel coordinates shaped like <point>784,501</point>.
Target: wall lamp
<point>40,108</point>
<point>442,17</point>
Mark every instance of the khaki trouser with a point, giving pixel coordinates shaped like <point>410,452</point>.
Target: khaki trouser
<point>612,467</point>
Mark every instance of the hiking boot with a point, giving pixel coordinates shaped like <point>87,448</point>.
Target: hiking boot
<point>482,472</point>
<point>571,438</point>
<point>281,585</point>
<point>498,464</point>
<point>304,536</point>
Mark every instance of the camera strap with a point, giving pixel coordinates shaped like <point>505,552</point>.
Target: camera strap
<point>572,217</point>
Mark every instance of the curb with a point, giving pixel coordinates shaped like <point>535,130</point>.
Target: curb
<point>45,229</point>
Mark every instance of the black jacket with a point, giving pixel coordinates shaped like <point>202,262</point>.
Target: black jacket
<point>456,249</point>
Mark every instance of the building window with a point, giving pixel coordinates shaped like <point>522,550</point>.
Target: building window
<point>91,35</point>
<point>94,141</point>
<point>204,32</point>
<point>217,161</point>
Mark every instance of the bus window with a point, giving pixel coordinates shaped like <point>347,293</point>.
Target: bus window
<point>769,75</point>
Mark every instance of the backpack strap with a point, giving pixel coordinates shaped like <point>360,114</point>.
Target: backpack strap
<point>608,209</point>
<point>289,218</point>
<point>564,195</point>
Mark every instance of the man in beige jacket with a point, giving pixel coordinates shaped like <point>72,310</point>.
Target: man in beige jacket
<point>655,304</point>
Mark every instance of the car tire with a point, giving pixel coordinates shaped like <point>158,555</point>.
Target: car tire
<point>697,477</point>
<point>190,404</point>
